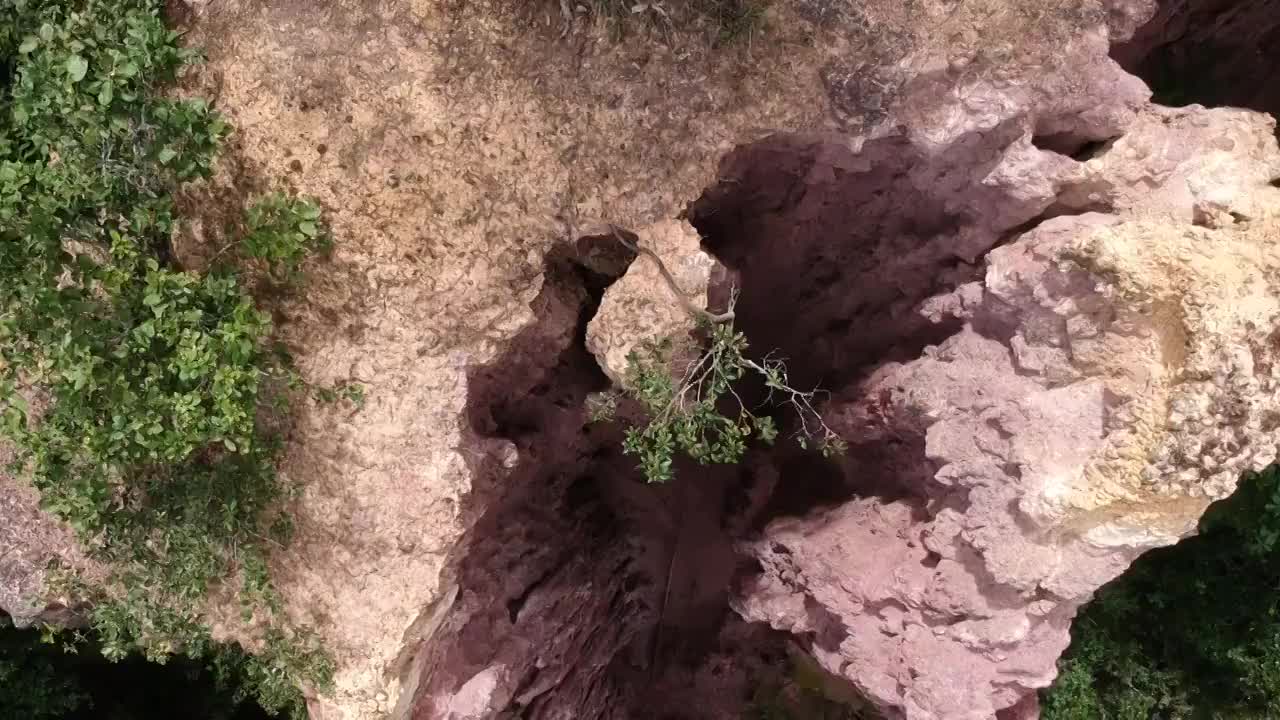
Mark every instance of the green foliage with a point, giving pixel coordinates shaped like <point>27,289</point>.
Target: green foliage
<point>350,392</point>
<point>1191,631</point>
<point>84,136</point>
<point>34,684</point>
<point>733,21</point>
<point>49,675</point>
<point>150,445</point>
<point>267,677</point>
<point>684,411</point>
<point>282,231</point>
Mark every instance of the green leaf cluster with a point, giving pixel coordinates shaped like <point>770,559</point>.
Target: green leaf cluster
<point>1191,631</point>
<point>282,231</point>
<point>685,409</point>
<point>151,379</point>
<point>48,675</point>
<point>685,418</point>
<point>34,684</point>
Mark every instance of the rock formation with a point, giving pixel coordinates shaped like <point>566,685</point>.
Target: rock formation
<point>1080,417</point>
<point>31,541</point>
<point>641,305</point>
<point>453,146</point>
<point>1112,374</point>
<point>1042,305</point>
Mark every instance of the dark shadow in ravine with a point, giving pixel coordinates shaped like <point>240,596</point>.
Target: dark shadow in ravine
<point>1217,53</point>
<point>583,591</point>
<point>67,680</point>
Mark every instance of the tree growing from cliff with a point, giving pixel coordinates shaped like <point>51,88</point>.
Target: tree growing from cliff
<point>691,402</point>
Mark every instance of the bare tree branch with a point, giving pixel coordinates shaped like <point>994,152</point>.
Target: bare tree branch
<point>689,307</point>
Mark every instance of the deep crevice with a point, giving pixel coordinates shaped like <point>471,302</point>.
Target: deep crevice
<point>46,680</point>
<point>830,262</point>
<point>1211,52</point>
<point>833,253</point>
<point>584,590</point>
<point>582,586</point>
<point>1072,145</point>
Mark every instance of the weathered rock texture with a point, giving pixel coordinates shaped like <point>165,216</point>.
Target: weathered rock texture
<point>30,542</point>
<point>1113,373</point>
<point>1042,306</point>
<point>451,144</point>
<point>641,305</point>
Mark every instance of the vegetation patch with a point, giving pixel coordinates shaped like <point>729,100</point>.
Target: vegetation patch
<point>1190,631</point>
<point>35,682</point>
<point>690,402</point>
<point>732,21</point>
<point>696,410</point>
<point>43,678</point>
<point>148,436</point>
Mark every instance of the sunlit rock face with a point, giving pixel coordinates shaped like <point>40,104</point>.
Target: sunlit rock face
<point>1113,373</point>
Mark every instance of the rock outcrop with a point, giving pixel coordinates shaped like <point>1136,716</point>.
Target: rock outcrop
<point>642,305</point>
<point>1114,373</point>
<point>1043,307</point>
<point>451,146</point>
<point>31,541</point>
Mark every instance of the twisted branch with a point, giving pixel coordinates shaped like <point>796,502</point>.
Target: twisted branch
<point>694,310</point>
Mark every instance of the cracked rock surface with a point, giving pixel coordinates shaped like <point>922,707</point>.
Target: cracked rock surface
<point>641,305</point>
<point>1113,374</point>
<point>1043,306</point>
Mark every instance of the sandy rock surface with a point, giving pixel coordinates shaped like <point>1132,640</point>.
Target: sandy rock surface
<point>641,305</point>
<point>451,145</point>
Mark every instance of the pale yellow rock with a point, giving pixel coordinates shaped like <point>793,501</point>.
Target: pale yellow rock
<point>642,306</point>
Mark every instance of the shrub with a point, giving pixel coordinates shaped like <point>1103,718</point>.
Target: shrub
<point>684,397</point>
<point>283,231</point>
<point>1190,631</point>
<point>43,677</point>
<point>685,412</point>
<point>150,446</point>
<point>34,683</point>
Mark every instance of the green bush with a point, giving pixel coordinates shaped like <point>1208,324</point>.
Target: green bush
<point>283,231</point>
<point>685,411</point>
<point>1190,631</point>
<point>34,681</point>
<point>150,445</point>
<point>44,677</point>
